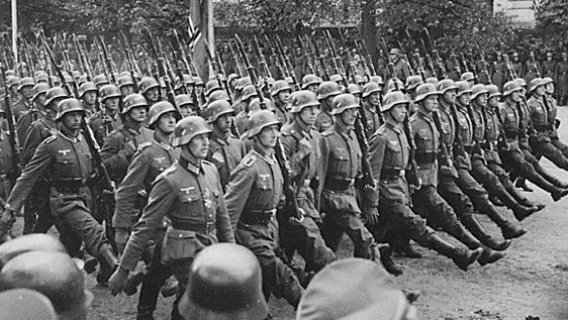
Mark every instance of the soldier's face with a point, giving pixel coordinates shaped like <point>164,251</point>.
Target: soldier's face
<point>73,120</point>
<point>126,90</point>
<point>198,89</point>
<point>349,116</point>
<point>431,103</point>
<point>450,96</point>
<point>516,96</point>
<point>27,92</point>
<point>309,114</point>
<point>540,90</point>
<point>224,122</point>
<point>268,136</point>
<point>398,112</point>
<point>112,103</point>
<point>185,111</point>
<point>167,122</point>
<point>550,88</point>
<point>153,95</point>
<point>464,98</point>
<point>138,114</point>
<point>482,99</point>
<point>375,98</point>
<point>90,97</point>
<point>284,95</point>
<point>40,99</point>
<point>313,88</point>
<point>493,102</point>
<point>199,145</point>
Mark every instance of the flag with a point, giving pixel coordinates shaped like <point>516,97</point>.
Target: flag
<point>200,31</point>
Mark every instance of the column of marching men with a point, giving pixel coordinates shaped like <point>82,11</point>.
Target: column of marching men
<point>195,173</point>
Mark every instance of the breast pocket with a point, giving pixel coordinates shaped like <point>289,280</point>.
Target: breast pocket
<point>191,203</point>
<point>339,161</point>
<point>63,166</point>
<point>424,140</point>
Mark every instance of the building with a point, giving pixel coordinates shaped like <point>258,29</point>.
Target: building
<point>521,11</point>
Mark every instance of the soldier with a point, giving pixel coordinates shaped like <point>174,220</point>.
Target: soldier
<point>8,172</point>
<point>53,274</point>
<point>253,194</point>
<point>88,95</point>
<point>325,94</point>
<point>126,85</point>
<point>553,122</point>
<point>280,93</point>
<point>371,101</point>
<point>122,143</point>
<point>401,69</point>
<point>242,118</point>
<point>355,90</point>
<point>455,181</point>
<point>66,157</point>
<point>212,86</point>
<point>190,195</point>
<point>225,281</point>
<point>13,83</point>
<point>561,78</point>
<point>531,68</point>
<point>150,89</point>
<point>107,120</point>
<point>468,77</point>
<point>36,111</point>
<point>302,144</point>
<point>514,158</point>
<point>225,150</point>
<point>151,159</point>
<point>389,157</point>
<point>311,82</point>
<point>100,80</point>
<point>25,91</point>
<point>185,104</point>
<point>548,66</point>
<point>516,65</point>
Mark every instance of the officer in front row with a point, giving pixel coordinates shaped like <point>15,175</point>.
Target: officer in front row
<point>189,193</point>
<point>67,157</point>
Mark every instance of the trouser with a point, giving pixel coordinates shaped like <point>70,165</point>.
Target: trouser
<point>277,278</point>
<point>336,223</point>
<point>38,206</point>
<point>559,145</point>
<point>491,183</point>
<point>180,269</point>
<point>515,161</point>
<point>503,177</point>
<point>545,148</point>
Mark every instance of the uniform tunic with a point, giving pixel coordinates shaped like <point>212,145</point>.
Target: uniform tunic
<point>225,154</point>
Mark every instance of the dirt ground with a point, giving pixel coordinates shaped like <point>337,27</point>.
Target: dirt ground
<point>531,282</point>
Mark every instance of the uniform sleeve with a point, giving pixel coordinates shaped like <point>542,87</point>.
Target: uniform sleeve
<point>40,162</point>
<point>32,141</point>
<point>127,194</point>
<point>295,158</point>
<point>161,199</point>
<point>238,189</point>
<point>377,148</point>
<point>322,167</point>
<point>114,157</point>
<point>224,229</point>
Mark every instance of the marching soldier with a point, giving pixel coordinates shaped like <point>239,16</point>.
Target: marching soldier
<point>150,89</point>
<point>100,80</point>
<point>25,91</point>
<point>8,173</point>
<point>36,111</point>
<point>401,70</point>
<point>325,94</point>
<point>254,192</point>
<point>225,150</point>
<point>151,159</point>
<point>189,193</point>
<point>311,82</point>
<point>66,157</point>
<point>371,101</point>
<point>548,66</point>
<point>280,93</point>
<point>186,106</point>
<point>107,120</point>
<point>242,118</point>
<point>553,122</point>
<point>122,143</point>
<point>88,95</point>
<point>389,156</point>
<point>561,78</point>
<point>126,85</point>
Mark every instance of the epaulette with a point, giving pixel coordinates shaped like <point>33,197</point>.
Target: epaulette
<point>207,163</point>
<point>50,139</point>
<point>169,170</point>
<point>249,160</point>
<point>327,132</point>
<point>144,145</point>
<point>381,130</point>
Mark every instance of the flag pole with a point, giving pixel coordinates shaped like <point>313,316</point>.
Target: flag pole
<point>15,31</point>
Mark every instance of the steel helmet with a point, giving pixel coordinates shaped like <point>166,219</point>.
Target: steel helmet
<point>225,282</point>
<point>242,83</point>
<point>187,80</point>
<point>41,76</point>
<point>343,102</point>
<point>86,87</point>
<point>478,89</point>
<point>198,81</point>
<point>310,79</point>
<point>377,79</point>
<point>354,89</point>
<point>521,82</point>
<point>467,76</point>
<point>263,82</point>
<point>82,79</point>
<point>148,83</point>
<point>218,95</point>
<point>212,86</point>
<point>303,99</point>
<point>511,87</point>
<point>26,304</point>
<point>391,84</point>
<point>12,81</point>
<point>249,91</point>
<point>100,80</point>
<point>183,99</point>
<point>413,82</point>
<point>216,109</point>
<point>432,80</point>
<point>76,74</point>
<point>392,99</point>
<point>55,275</point>
<point>10,73</point>
<point>536,82</point>
<point>370,88</point>
<point>27,243</point>
<point>425,90</point>
<point>125,80</point>
<point>463,87</point>
<point>259,120</point>
<point>256,105</point>
<point>26,82</point>
<point>68,105</point>
<point>158,109</point>
<point>359,79</point>
<point>39,88</point>
<point>547,80</point>
<point>187,128</point>
<point>493,91</point>
<point>328,89</point>
<point>337,78</point>
<point>232,77</point>
<point>445,85</point>
<point>109,91</point>
<point>278,86</point>
<point>132,101</point>
<point>68,78</point>
<point>54,93</point>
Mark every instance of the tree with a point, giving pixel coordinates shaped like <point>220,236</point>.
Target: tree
<point>552,20</point>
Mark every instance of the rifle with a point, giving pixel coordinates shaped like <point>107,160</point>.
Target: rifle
<point>446,159</point>
<point>484,63</point>
<point>13,138</point>
<point>286,60</point>
<point>534,65</point>
<point>309,57</point>
<point>83,58</point>
<point>60,75</point>
<point>129,55</point>
<point>29,61</point>
<point>275,57</point>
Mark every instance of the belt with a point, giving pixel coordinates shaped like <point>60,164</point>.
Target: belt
<point>68,184</point>
<point>256,217</point>
<point>392,174</point>
<point>196,227</point>
<point>338,184</point>
<point>426,157</point>
<point>542,127</point>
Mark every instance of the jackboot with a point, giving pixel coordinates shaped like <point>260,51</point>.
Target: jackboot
<point>403,248</point>
<point>462,258</point>
<point>473,225</point>
<point>509,230</point>
<point>522,184</point>
<point>521,213</point>
<point>145,313</point>
<point>489,256</point>
<point>382,253</point>
<point>558,194</point>
<point>90,262</point>
<point>108,263</point>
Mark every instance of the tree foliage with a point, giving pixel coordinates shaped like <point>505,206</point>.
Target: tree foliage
<point>552,20</point>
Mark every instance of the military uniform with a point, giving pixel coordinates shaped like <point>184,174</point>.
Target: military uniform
<point>373,119</point>
<point>7,169</point>
<point>253,195</point>
<point>324,121</point>
<point>191,197</point>
<point>561,80</point>
<point>241,121</point>
<point>548,67</point>
<point>68,161</point>
<point>225,154</point>
<point>498,72</point>
<point>102,125</point>
<point>281,113</point>
<point>21,107</point>
<point>553,133</point>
